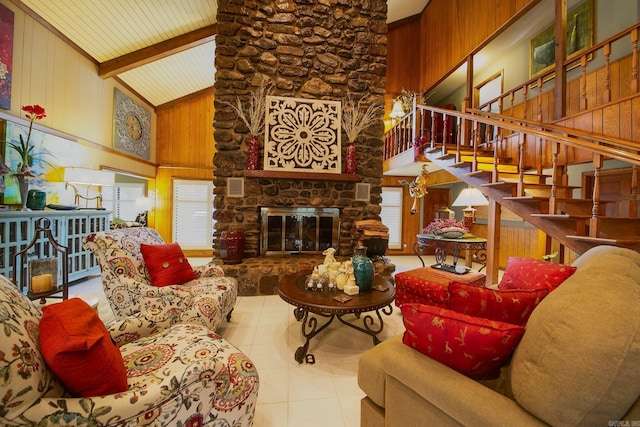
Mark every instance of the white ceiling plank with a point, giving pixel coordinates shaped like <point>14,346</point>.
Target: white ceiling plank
<point>108,29</point>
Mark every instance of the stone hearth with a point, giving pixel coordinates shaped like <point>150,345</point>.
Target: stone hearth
<point>261,275</point>
<point>303,49</point>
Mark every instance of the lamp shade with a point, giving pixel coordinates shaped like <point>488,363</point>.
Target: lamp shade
<point>85,176</point>
<point>470,197</point>
<point>397,110</point>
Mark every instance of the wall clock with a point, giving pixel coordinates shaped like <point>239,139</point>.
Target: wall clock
<point>132,126</point>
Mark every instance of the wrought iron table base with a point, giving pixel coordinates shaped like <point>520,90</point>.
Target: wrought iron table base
<point>310,326</point>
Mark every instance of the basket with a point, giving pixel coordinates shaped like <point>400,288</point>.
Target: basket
<point>452,233</point>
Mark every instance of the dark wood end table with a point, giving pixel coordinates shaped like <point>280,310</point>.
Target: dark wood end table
<point>322,303</point>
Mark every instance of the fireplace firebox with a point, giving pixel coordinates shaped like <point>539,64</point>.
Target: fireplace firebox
<point>298,230</point>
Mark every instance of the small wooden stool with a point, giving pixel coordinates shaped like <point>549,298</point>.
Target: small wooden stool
<point>430,286</point>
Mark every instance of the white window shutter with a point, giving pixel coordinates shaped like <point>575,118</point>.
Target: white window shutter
<point>391,214</point>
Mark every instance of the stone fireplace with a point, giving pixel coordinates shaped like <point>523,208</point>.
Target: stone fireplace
<point>309,49</point>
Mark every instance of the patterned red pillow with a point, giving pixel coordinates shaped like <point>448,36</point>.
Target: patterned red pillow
<point>509,306</point>
<point>529,273</point>
<point>79,350</point>
<point>167,264</point>
<point>473,346</point>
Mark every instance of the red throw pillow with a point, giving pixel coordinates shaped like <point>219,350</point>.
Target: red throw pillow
<point>529,273</point>
<point>167,264</point>
<point>473,346</point>
<point>509,306</point>
<point>78,348</point>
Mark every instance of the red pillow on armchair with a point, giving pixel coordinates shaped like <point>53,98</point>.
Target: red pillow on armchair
<point>529,273</point>
<point>78,348</point>
<point>167,264</point>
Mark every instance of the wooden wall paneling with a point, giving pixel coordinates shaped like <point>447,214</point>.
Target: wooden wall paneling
<point>573,97</point>
<point>403,58</point>
<point>635,124</point>
<point>624,77</point>
<point>185,150</point>
<point>625,120</point>
<point>472,23</point>
<point>610,120</point>
<point>615,80</point>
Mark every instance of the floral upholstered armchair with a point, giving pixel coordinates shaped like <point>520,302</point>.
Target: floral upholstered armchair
<point>127,283</point>
<point>173,374</point>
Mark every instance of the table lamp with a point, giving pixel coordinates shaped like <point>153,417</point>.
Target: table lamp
<point>81,176</point>
<point>397,111</point>
<point>470,197</point>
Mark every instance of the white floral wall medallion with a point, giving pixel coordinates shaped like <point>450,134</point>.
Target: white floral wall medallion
<point>302,135</point>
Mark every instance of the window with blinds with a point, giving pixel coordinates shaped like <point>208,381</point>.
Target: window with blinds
<point>391,214</point>
<point>121,200</point>
<point>193,213</point>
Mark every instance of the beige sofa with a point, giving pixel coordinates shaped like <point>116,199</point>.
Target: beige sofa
<point>578,363</point>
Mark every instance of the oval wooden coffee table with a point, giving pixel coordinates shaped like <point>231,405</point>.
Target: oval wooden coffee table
<point>323,303</point>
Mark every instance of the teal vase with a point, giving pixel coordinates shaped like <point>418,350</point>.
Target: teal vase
<point>362,269</point>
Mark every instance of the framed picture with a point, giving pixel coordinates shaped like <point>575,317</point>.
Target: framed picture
<point>579,37</point>
<point>6,56</point>
<point>131,126</point>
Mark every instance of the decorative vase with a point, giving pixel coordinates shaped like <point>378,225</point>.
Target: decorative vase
<point>252,153</point>
<point>350,162</point>
<point>362,269</point>
<point>23,184</point>
<point>36,200</point>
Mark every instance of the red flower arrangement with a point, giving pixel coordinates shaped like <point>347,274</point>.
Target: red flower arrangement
<point>440,226</point>
<point>24,150</point>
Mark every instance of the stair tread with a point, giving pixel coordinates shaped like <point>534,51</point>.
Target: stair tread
<point>562,216</point>
<point>460,165</point>
<point>477,173</point>
<point>532,185</point>
<point>498,184</point>
<point>578,200</point>
<point>527,198</point>
<point>604,240</point>
<point>446,157</point>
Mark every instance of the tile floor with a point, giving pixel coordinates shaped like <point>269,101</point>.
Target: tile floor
<point>292,394</point>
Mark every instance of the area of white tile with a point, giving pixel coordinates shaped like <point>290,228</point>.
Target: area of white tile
<point>291,394</point>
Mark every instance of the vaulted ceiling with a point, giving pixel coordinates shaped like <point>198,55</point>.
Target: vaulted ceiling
<point>161,49</point>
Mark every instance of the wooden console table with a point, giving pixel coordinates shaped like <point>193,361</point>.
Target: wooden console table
<point>17,228</point>
<point>445,247</point>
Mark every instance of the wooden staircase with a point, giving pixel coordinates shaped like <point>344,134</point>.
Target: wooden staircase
<point>556,209</point>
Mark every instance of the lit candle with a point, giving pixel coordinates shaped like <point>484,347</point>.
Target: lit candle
<point>41,283</point>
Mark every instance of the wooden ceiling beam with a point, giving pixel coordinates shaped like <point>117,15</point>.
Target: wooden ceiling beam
<point>157,51</point>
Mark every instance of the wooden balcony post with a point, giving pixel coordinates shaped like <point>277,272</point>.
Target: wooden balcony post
<point>520,187</point>
<point>555,177</point>
<point>633,204</point>
<point>634,61</point>
<point>583,83</point>
<point>607,74</point>
<point>493,241</point>
<point>594,222</point>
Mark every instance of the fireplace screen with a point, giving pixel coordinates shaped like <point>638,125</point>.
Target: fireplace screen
<point>299,230</point>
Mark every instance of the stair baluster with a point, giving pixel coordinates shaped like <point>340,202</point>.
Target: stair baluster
<point>633,204</point>
<point>634,60</point>
<point>593,223</point>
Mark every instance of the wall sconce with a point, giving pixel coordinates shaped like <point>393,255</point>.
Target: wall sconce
<point>470,197</point>
<point>396,112</point>
<point>81,176</point>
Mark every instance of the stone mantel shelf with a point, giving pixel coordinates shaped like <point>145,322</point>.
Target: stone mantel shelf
<point>310,176</point>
